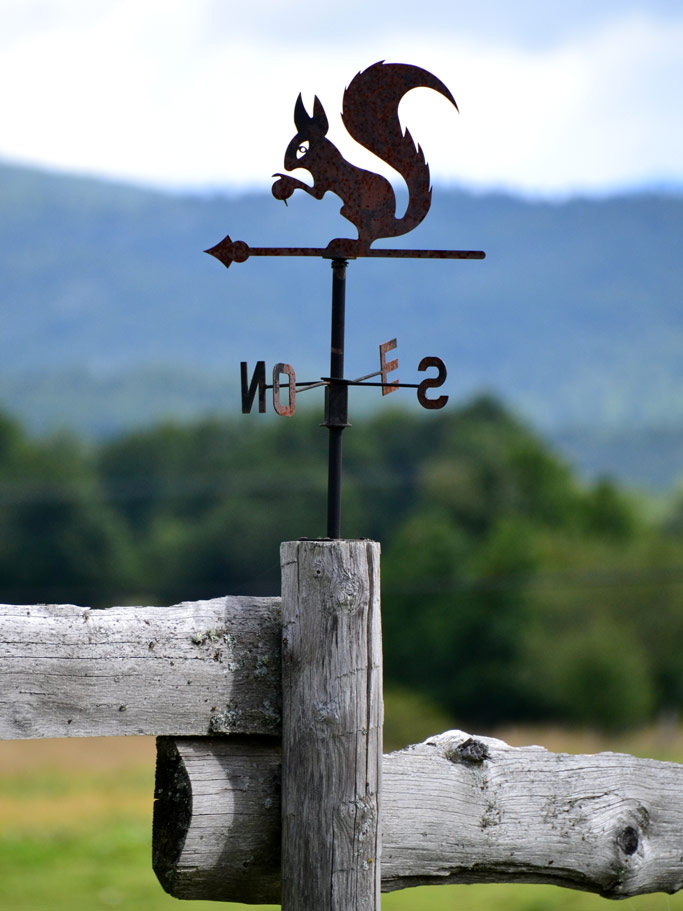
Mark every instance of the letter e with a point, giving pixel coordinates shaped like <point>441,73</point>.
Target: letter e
<point>387,367</point>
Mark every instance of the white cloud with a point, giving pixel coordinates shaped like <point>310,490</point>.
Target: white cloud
<point>149,90</point>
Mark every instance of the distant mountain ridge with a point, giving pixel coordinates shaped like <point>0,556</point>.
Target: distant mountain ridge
<point>574,318</point>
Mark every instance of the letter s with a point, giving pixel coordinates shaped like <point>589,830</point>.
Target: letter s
<point>432,383</point>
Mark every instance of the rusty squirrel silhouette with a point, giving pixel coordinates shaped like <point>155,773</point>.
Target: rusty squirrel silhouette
<point>370,116</point>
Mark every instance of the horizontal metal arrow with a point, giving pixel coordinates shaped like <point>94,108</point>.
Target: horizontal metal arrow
<point>237,251</point>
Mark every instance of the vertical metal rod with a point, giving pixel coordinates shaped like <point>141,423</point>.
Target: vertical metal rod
<point>336,399</point>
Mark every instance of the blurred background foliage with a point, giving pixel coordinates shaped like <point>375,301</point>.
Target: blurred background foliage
<point>513,591</point>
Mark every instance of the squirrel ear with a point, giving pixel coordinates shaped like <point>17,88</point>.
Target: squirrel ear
<point>319,119</point>
<point>301,118</point>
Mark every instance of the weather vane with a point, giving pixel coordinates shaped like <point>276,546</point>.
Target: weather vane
<point>370,116</point>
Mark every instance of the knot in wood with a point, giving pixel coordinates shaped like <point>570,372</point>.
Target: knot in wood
<point>469,750</point>
<point>344,592</point>
<point>628,840</point>
<point>326,712</point>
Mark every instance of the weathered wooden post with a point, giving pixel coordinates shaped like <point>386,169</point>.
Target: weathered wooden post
<point>331,726</point>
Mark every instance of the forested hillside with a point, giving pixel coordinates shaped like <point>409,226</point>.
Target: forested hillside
<point>511,591</point>
<point>112,314</point>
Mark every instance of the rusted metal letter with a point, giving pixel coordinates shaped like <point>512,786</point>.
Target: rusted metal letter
<point>432,383</point>
<point>258,381</point>
<point>387,366</point>
<point>285,411</point>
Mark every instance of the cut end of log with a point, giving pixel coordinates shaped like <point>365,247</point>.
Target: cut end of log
<point>217,818</point>
<point>172,812</point>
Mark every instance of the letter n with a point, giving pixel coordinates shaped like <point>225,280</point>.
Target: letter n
<point>258,381</point>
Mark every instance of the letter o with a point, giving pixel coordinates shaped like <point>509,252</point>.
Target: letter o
<point>285,411</point>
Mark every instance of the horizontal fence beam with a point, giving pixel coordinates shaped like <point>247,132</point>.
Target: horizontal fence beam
<point>200,667</point>
<point>455,809</point>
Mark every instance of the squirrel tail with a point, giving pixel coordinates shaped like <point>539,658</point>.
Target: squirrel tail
<point>370,115</point>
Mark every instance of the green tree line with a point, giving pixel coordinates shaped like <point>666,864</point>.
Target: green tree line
<point>512,590</point>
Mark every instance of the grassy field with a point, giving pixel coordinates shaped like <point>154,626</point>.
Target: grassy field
<point>76,816</point>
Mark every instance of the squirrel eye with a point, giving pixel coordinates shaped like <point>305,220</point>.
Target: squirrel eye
<point>303,148</point>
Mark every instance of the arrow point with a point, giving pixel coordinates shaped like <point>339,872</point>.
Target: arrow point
<point>228,251</point>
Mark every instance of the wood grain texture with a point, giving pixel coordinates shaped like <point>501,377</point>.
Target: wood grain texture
<point>455,809</point>
<point>195,668</point>
<point>192,855</point>
<point>331,725</point>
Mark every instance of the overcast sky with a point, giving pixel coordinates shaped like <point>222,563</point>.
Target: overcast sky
<point>579,95</point>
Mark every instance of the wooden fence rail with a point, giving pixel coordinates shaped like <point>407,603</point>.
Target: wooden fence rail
<point>455,809</point>
<point>201,667</point>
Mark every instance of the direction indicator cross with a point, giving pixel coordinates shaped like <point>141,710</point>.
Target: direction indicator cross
<point>370,115</point>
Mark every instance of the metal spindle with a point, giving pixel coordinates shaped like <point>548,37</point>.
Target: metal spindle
<point>336,399</point>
